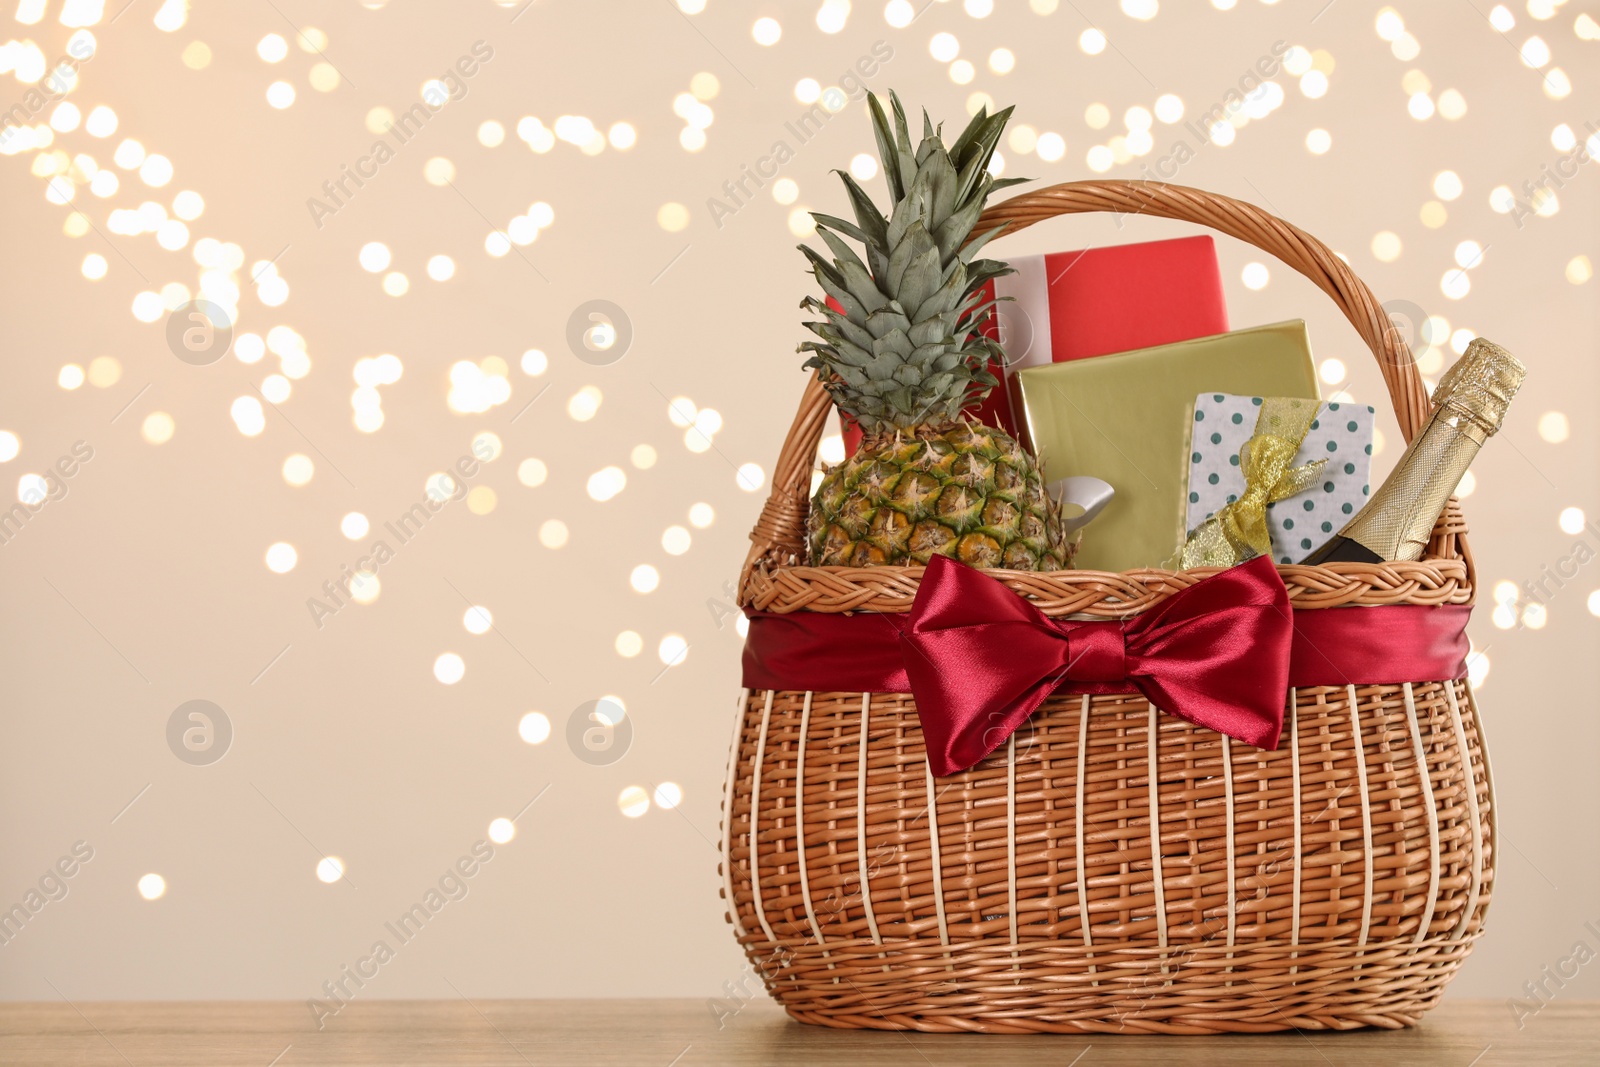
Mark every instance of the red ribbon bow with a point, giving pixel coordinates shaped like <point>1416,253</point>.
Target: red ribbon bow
<point>981,659</point>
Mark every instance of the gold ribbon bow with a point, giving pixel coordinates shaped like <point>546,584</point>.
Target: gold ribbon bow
<point>1239,530</point>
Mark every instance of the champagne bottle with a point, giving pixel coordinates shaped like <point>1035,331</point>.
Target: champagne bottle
<point>1469,405</point>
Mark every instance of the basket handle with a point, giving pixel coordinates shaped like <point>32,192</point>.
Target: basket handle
<point>779,534</point>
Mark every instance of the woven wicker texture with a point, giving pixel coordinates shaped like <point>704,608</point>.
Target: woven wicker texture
<point>1060,885</point>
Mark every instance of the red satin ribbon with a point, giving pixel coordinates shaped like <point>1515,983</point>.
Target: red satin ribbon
<point>1210,654</point>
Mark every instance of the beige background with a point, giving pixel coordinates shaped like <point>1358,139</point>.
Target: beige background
<point>146,586</point>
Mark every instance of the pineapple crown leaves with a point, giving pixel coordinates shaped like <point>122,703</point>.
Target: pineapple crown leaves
<point>905,350</point>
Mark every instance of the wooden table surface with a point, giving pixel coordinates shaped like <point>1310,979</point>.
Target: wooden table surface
<point>682,1033</point>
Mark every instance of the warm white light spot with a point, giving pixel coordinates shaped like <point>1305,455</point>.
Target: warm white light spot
<point>1504,616</point>
<point>188,205</point>
<point>272,48</point>
<point>672,650</point>
<point>248,415</point>
<point>1594,598</point>
<point>354,526</point>
<point>1318,141</point>
<point>280,95</point>
<point>502,830</point>
<point>807,90</point>
<point>1254,275</point>
<point>438,171</point>
<point>862,167</point>
<point>482,500</point>
<point>801,224</point>
<point>962,72</point>
<point>152,886</point>
<point>979,9</point>
<point>169,17</point>
<point>396,284</point>
<point>899,13</point>
<point>1447,185</point>
<point>1506,591</point>
<point>1469,254</point>
<point>534,728</point>
<point>158,428</point>
<point>1467,485</point>
<point>672,217</point>
<point>281,557</point>
<point>606,483</point>
<point>1477,669</point>
<point>1050,147</point>
<point>374,256</point>
<point>766,31</point>
<point>102,122</point>
<point>629,644</point>
<point>944,47</point>
<point>1169,108</point>
<point>1579,270</point>
<point>1502,19</point>
<point>478,620</point>
<point>701,515</point>
<point>750,477</point>
<point>668,795</point>
<point>832,14</point>
<point>1571,520</point>
<point>644,578</point>
<point>10,446</point>
<point>532,472</point>
<point>441,268</point>
<point>1553,427</point>
<point>1314,84</point>
<point>642,457</point>
<point>449,668</point>
<point>324,77</point>
<point>1455,284</point>
<point>104,371</point>
<point>1092,42</point>
<point>1332,371</point>
<point>675,540</point>
<point>32,489</point>
<point>66,117</point>
<point>1433,215</point>
<point>71,376</point>
<point>705,85</point>
<point>1143,10</point>
<point>1002,61</point>
<point>330,869</point>
<point>682,411</point>
<point>298,469</point>
<point>584,404</point>
<point>691,7</point>
<point>1097,116</point>
<point>1535,53</point>
<point>553,533</point>
<point>275,388</point>
<point>1386,246</point>
<point>633,802</point>
<point>1022,138</point>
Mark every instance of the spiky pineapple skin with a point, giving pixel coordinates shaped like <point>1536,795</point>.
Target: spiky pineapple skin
<point>965,490</point>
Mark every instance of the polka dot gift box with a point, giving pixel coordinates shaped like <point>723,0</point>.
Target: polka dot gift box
<point>1341,434</point>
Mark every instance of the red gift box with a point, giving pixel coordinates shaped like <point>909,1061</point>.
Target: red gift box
<point>1093,302</point>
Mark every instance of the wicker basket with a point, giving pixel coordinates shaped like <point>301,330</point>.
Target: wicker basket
<point>1061,886</point>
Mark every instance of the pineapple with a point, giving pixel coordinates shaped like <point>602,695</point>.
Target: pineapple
<point>905,358</point>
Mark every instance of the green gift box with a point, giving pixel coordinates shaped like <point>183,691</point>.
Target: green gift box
<point>1127,419</point>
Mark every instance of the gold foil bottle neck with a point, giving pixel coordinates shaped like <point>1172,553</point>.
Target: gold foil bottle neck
<point>1481,383</point>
